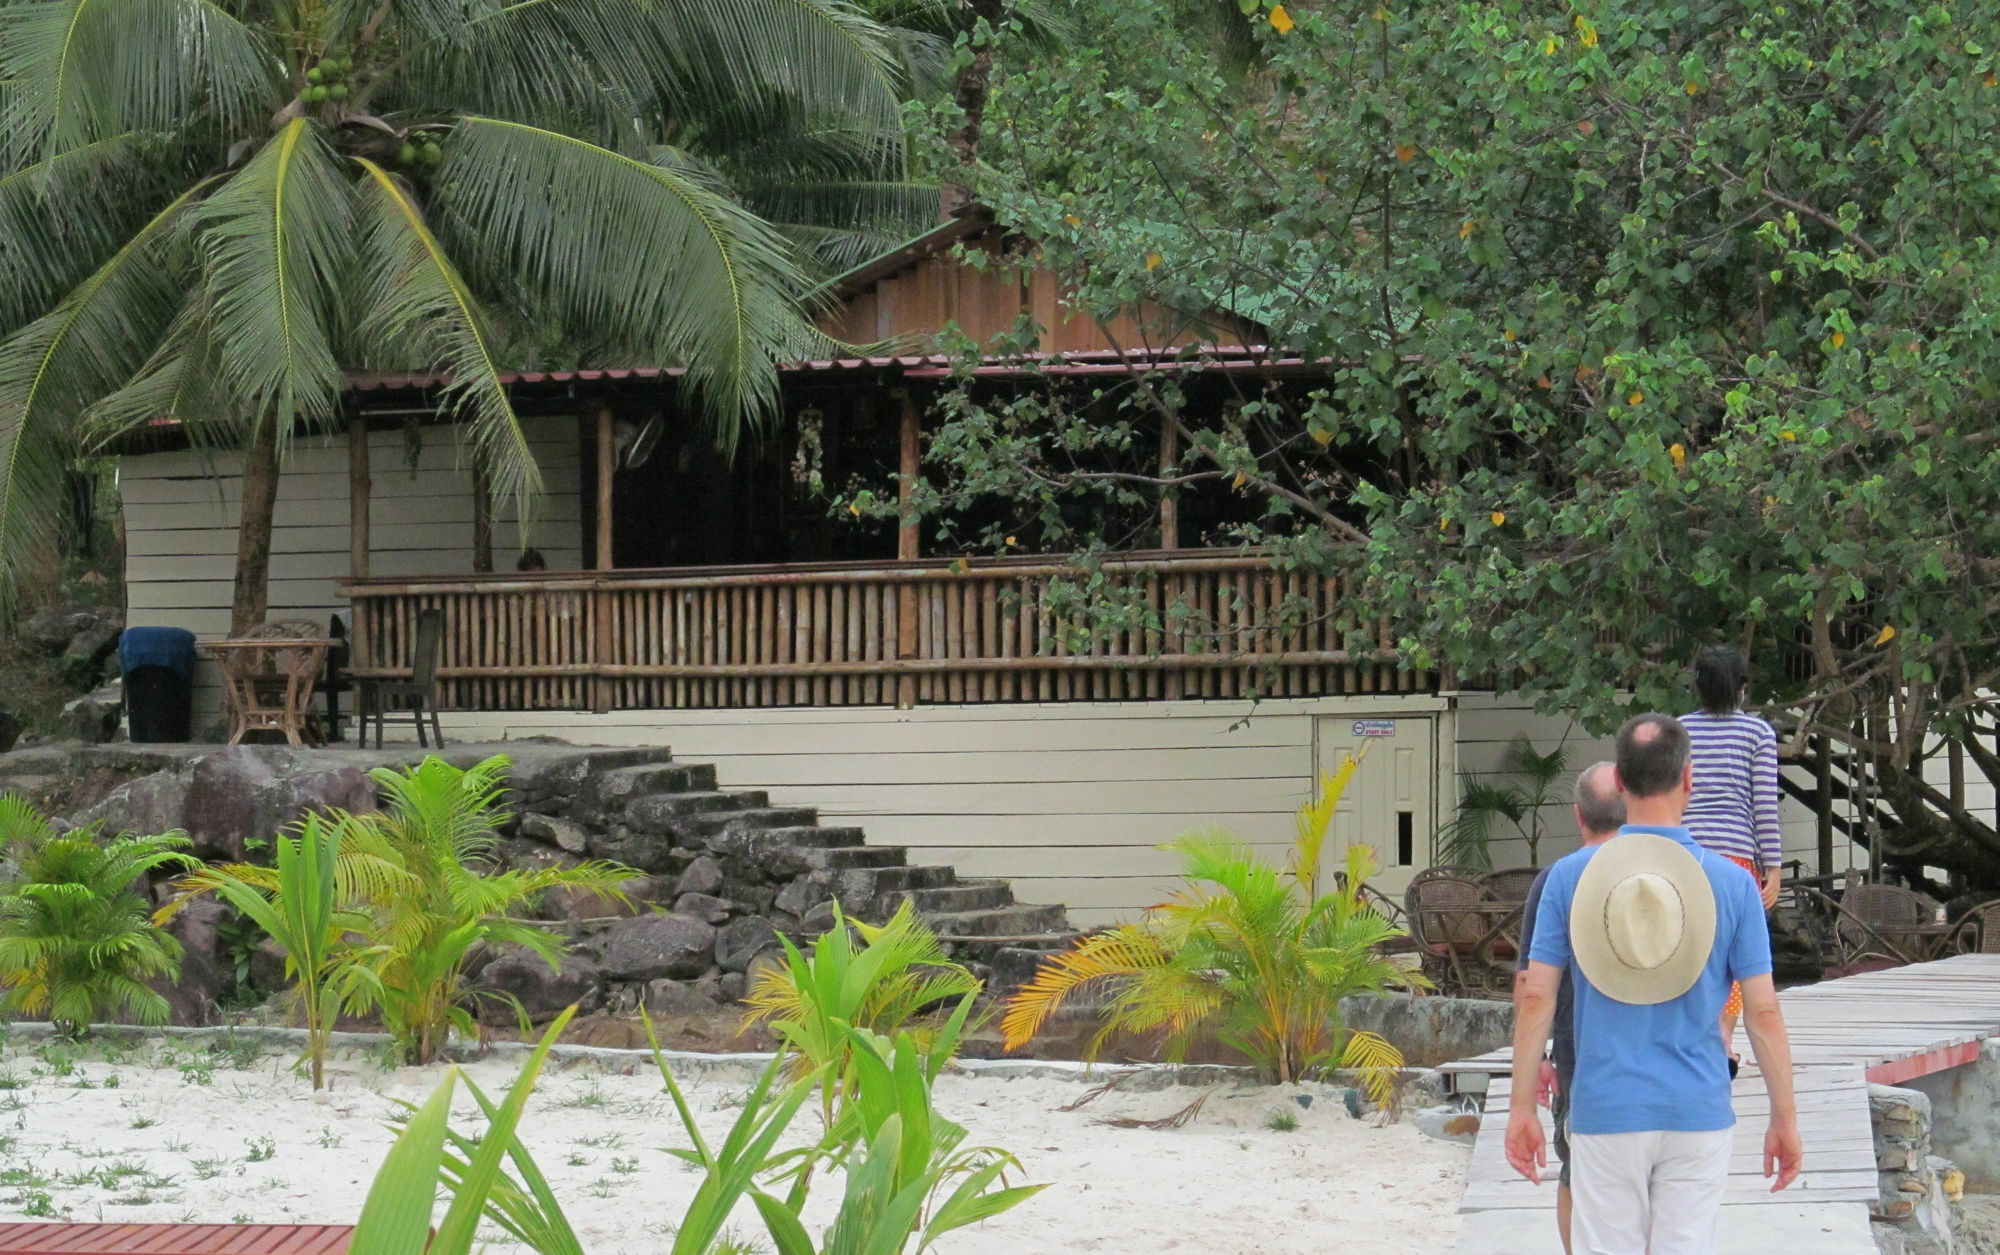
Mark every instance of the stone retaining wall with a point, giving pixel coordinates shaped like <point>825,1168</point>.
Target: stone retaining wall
<point>1917,1211</point>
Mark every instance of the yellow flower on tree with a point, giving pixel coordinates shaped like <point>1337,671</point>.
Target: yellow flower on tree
<point>1152,260</point>
<point>1788,435</point>
<point>1887,634</point>
<point>1549,48</point>
<point>1839,339</point>
<point>1281,21</point>
<point>1499,518</point>
<point>1405,153</point>
<point>1679,453</point>
<point>1636,397</point>
<point>1466,228</point>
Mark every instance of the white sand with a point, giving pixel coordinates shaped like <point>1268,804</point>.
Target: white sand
<point>255,1143</point>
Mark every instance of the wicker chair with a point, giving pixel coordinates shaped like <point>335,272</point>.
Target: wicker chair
<point>1879,923</point>
<point>1978,931</point>
<point>272,688</point>
<point>1468,941</point>
<point>1443,871</point>
<point>1511,885</point>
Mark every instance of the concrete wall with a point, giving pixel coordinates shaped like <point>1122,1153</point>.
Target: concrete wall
<point>1965,1116</point>
<point>182,508</point>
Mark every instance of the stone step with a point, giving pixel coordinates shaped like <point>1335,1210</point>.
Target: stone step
<point>753,817</point>
<point>841,858</point>
<point>818,836</point>
<point>1013,921</point>
<point>634,756</point>
<point>606,793</point>
<point>875,882</point>
<point>951,898</point>
<point>663,811</point>
<point>1013,960</point>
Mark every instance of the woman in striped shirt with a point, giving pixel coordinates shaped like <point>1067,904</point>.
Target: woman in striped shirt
<point>1734,809</point>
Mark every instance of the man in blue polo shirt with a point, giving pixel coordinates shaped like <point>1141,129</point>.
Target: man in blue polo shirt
<point>1653,929</point>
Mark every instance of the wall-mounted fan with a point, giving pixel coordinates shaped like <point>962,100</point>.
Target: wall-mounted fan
<point>636,441</point>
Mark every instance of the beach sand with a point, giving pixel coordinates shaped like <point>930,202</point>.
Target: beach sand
<point>166,1130</point>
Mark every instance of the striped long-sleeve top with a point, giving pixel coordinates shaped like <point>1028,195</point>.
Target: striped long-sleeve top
<point>1734,810</point>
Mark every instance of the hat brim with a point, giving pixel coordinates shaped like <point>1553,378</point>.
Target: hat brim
<point>1590,940</point>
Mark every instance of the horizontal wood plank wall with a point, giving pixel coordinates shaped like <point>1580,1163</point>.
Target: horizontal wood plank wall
<point>1070,802</point>
<point>1487,724</point>
<point>181,512</point>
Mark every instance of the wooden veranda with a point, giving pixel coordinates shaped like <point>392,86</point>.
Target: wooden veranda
<point>1183,624</point>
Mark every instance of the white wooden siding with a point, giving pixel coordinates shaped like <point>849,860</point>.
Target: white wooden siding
<point>1069,801</point>
<point>181,512</point>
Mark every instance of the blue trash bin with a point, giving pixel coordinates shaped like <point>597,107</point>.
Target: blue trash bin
<point>157,664</point>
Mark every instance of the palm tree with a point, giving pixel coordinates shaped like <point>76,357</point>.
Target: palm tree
<point>210,209</point>
<point>1257,954</point>
<point>76,939</point>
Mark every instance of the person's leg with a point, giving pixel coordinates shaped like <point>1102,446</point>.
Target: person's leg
<point>1559,1112</point>
<point>1610,1191</point>
<point>1688,1180</point>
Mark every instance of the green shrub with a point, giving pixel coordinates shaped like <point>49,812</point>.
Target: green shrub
<point>1253,952</point>
<point>77,942</point>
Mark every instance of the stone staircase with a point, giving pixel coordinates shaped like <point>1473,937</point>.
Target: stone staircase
<point>643,808</point>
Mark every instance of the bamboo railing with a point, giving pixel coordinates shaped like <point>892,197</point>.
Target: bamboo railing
<point>1168,625</point>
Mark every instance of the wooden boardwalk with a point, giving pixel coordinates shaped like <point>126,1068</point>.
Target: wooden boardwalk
<point>1888,1027</point>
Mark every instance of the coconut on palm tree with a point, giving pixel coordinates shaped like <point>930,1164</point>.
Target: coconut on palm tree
<point>212,209</point>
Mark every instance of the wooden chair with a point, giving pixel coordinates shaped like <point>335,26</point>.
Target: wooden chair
<point>1443,871</point>
<point>416,695</point>
<point>272,688</point>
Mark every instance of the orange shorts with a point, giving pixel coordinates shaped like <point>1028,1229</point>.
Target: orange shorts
<point>1735,1004</point>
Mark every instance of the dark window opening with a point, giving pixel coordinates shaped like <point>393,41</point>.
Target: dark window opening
<point>1406,838</point>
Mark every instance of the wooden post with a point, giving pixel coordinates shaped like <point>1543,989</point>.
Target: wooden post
<point>360,489</point>
<point>482,517</point>
<point>1823,804</point>
<point>1170,505</point>
<point>908,465</point>
<point>601,638</point>
<point>605,451</point>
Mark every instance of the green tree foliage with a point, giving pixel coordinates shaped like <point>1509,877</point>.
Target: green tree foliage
<point>1636,327</point>
<point>301,911</point>
<point>911,1180</point>
<point>1257,955</point>
<point>883,985</point>
<point>416,884</point>
<point>209,211</point>
<point>77,943</point>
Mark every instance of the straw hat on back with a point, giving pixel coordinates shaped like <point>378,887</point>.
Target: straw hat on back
<point>1642,921</point>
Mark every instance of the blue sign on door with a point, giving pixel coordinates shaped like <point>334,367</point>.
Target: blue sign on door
<point>1374,727</point>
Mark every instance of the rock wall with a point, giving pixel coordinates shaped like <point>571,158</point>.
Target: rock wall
<point>1916,1213</point>
<point>1965,1122</point>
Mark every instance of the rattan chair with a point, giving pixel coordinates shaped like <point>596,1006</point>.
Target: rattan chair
<point>1512,884</point>
<point>1467,939</point>
<point>1878,924</point>
<point>1978,930</point>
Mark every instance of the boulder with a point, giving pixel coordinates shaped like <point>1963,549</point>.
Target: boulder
<point>10,729</point>
<point>760,853</point>
<point>801,896</point>
<point>732,985</point>
<point>92,718</point>
<point>52,630</point>
<point>766,962</point>
<point>540,990</point>
<point>290,798</point>
<point>93,644</point>
<point>523,855</point>
<point>150,804</point>
<point>704,906</point>
<point>677,999</point>
<point>640,850</point>
<point>267,968</point>
<point>205,969</point>
<point>650,947</point>
<point>228,797</point>
<point>704,875</point>
<point>577,905</point>
<point>742,940</point>
<point>566,835</point>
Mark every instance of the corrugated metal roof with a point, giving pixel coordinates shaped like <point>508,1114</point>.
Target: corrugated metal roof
<point>48,1238</point>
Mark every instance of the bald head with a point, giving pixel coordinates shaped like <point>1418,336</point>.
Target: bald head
<point>1600,808</point>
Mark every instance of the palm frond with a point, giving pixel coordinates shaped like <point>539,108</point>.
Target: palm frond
<point>81,71</point>
<point>655,253</point>
<point>1119,953</point>
<point>416,301</point>
<point>1313,820</point>
<point>275,240</point>
<point>1378,1061</point>
<point>56,366</point>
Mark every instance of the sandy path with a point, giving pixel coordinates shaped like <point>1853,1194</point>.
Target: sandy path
<point>168,1132</point>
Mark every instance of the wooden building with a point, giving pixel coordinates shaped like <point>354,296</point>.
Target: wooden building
<point>714,606</point>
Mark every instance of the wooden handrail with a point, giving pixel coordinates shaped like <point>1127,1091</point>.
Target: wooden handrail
<point>1202,624</point>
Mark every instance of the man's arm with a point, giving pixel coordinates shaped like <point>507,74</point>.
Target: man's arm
<point>1764,1020</point>
<point>1534,1011</point>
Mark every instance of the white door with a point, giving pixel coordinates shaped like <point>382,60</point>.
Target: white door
<point>1390,803</point>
